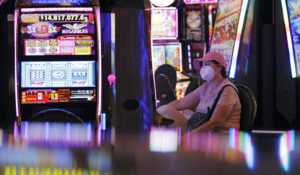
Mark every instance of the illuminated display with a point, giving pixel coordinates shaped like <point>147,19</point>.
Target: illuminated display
<point>195,28</point>
<point>200,1</point>
<point>167,53</point>
<point>164,23</point>
<point>225,29</point>
<point>73,2</point>
<point>163,3</point>
<point>294,19</point>
<point>57,34</point>
<point>58,74</point>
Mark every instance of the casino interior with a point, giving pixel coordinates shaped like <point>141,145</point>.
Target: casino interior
<point>81,82</point>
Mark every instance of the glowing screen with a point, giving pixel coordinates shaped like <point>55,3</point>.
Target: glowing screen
<point>225,29</point>
<point>294,9</point>
<point>167,53</point>
<point>58,74</point>
<point>57,34</point>
<point>164,23</point>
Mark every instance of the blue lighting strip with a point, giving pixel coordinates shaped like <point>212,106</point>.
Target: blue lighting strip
<point>289,38</point>
<point>238,39</point>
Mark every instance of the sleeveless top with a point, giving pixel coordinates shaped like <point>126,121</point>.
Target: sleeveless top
<point>229,98</point>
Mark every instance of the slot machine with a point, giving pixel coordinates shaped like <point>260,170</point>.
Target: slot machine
<point>57,60</point>
<point>197,27</point>
<point>166,45</point>
<point>229,30</point>
<point>288,57</point>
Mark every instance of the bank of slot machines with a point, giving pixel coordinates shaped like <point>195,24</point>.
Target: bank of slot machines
<point>57,58</point>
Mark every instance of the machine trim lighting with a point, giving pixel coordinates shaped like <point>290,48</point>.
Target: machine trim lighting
<point>238,39</point>
<point>190,2</point>
<point>57,9</point>
<point>289,38</point>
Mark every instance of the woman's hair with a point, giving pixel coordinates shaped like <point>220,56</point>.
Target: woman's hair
<point>223,69</point>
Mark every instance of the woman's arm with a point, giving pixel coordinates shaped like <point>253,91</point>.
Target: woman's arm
<point>189,101</point>
<point>221,112</point>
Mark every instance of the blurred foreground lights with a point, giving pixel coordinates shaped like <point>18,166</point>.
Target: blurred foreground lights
<point>242,142</point>
<point>286,145</point>
<point>163,140</point>
<point>57,134</point>
<point>1,137</point>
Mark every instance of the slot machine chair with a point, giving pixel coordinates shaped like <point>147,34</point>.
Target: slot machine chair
<point>249,107</point>
<point>169,71</point>
<point>164,90</point>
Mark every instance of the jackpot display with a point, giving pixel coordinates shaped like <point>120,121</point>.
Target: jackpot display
<point>225,29</point>
<point>45,34</point>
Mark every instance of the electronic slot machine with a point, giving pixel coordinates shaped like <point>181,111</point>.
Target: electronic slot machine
<point>228,31</point>
<point>57,59</point>
<point>197,25</point>
<point>166,47</point>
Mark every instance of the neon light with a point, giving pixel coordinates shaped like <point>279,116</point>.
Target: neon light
<point>99,102</point>
<point>16,63</point>
<point>238,39</point>
<point>57,9</point>
<point>77,2</point>
<point>289,38</point>
<point>190,2</point>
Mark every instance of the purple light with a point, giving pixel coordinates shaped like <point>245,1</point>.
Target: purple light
<point>57,9</point>
<point>99,102</point>
<point>16,63</point>
<point>190,2</point>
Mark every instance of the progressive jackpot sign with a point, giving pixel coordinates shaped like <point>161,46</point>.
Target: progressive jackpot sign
<point>57,34</point>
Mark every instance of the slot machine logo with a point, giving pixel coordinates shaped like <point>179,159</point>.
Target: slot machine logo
<point>41,29</point>
<point>74,29</point>
<point>58,74</point>
<point>295,5</point>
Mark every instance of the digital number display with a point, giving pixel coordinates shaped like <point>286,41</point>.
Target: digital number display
<point>64,17</point>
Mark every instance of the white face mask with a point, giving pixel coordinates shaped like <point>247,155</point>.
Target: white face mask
<point>207,73</point>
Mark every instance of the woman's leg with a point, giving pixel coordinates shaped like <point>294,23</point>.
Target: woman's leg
<point>171,113</point>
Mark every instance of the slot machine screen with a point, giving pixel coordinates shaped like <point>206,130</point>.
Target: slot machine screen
<point>294,20</point>
<point>51,34</point>
<point>167,53</point>
<point>195,27</point>
<point>49,74</point>
<point>225,28</point>
<point>164,23</point>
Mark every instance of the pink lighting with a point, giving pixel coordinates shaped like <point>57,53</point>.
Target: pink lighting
<point>111,79</point>
<point>57,9</point>
<point>99,102</point>
<point>16,14</point>
<point>190,2</point>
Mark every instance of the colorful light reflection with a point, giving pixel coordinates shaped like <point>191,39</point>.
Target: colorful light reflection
<point>289,38</point>
<point>238,39</point>
<point>286,145</point>
<point>163,140</point>
<point>190,2</point>
<point>57,134</point>
<point>242,141</point>
<point>57,9</point>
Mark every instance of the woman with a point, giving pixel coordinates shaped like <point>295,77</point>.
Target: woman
<point>226,113</point>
